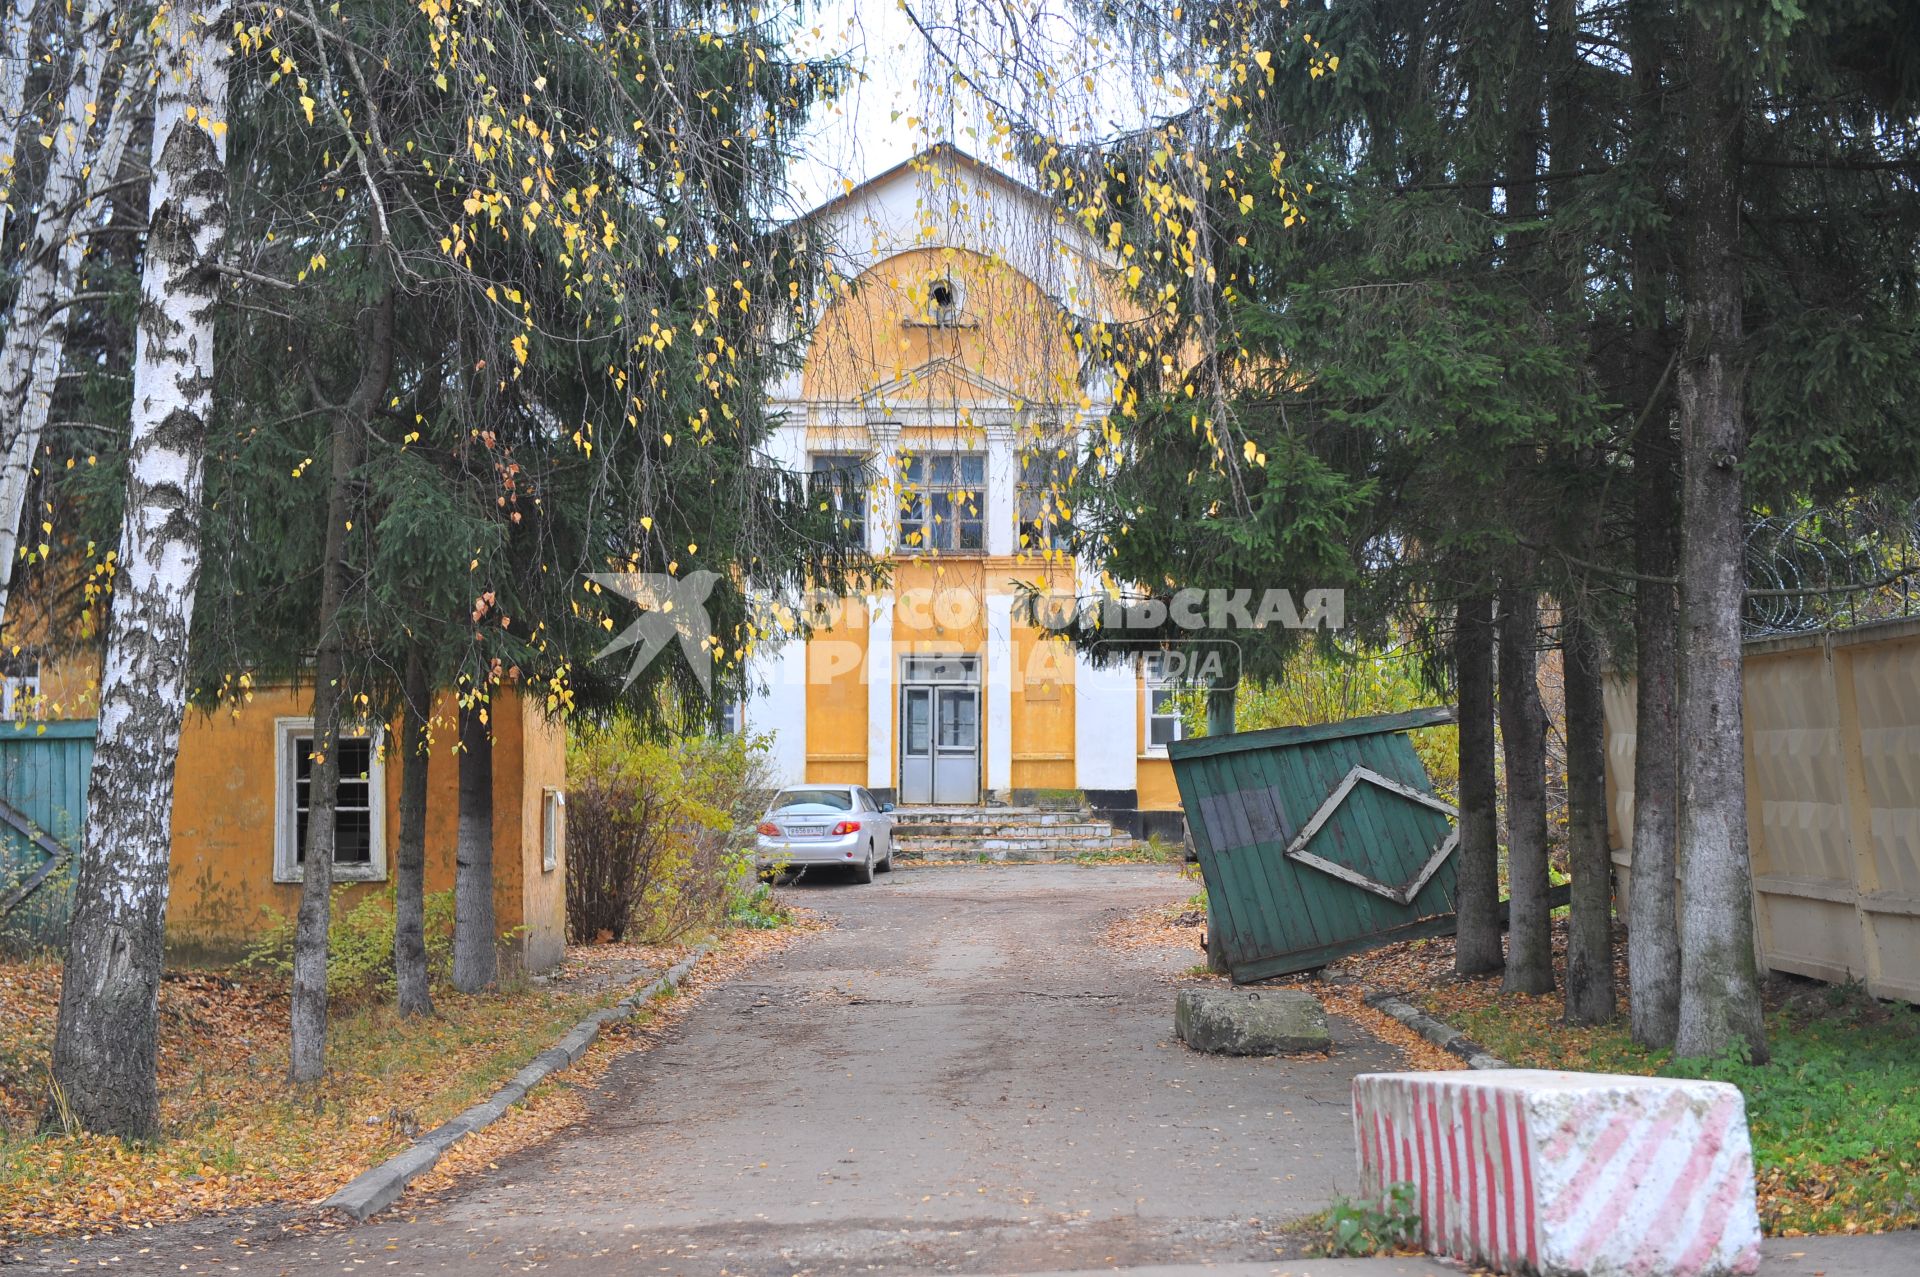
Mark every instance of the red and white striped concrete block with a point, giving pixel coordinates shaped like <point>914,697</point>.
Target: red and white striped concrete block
<point>1567,1174</point>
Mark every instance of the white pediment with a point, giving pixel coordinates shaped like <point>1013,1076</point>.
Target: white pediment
<point>923,382</point>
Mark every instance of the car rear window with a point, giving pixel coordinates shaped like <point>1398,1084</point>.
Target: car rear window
<point>837,799</point>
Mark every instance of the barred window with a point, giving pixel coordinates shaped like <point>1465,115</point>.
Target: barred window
<point>359,817</point>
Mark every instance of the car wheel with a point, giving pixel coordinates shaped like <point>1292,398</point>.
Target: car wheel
<point>863,872</point>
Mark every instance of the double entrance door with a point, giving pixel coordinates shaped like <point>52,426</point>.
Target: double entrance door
<point>940,729</point>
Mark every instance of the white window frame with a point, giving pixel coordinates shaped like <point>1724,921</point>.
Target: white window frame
<point>553,827</point>
<point>13,689</point>
<point>925,495</point>
<point>1155,684</point>
<point>1051,531</point>
<point>286,859</point>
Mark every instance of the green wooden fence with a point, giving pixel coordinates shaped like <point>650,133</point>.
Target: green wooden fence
<point>1318,841</point>
<point>43,805</point>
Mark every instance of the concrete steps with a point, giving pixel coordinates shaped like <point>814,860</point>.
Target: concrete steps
<point>1019,834</point>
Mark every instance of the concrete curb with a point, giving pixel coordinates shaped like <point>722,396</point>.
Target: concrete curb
<point>376,1189</point>
<point>1442,1035</point>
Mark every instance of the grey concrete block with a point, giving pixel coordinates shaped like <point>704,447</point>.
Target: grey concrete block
<point>373,1191</point>
<point>1251,1021</point>
<point>575,1044</point>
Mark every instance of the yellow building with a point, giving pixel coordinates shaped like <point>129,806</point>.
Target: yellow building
<point>944,367</point>
<point>239,811</point>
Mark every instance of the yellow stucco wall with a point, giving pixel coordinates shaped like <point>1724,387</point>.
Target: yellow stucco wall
<point>1154,779</point>
<point>225,811</point>
<point>837,700</point>
<point>879,330</point>
<point>1042,711</point>
<point>1002,359</point>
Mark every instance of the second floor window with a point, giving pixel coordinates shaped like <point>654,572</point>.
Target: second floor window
<point>840,486</point>
<point>943,504</point>
<point>1046,520</point>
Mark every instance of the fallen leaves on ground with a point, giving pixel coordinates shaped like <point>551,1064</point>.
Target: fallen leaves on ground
<point>237,1135</point>
<point>1175,926</point>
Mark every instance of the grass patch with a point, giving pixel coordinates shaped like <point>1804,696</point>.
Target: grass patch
<point>1835,1117</point>
<point>1154,851</point>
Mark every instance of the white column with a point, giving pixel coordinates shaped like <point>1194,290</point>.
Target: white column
<point>777,704</point>
<point>1000,675</point>
<point>879,676</point>
<point>1106,727</point>
<point>883,505</point>
<point>1003,475</point>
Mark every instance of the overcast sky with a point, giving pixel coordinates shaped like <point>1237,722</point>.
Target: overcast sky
<point>888,113</point>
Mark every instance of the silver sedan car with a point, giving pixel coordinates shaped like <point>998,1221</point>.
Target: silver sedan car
<point>811,825</point>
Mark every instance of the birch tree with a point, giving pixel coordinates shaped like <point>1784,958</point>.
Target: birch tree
<point>84,161</point>
<point>16,44</point>
<point>106,1042</point>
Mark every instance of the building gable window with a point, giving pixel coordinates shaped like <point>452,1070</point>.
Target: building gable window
<point>943,506</point>
<point>943,302</point>
<point>359,822</point>
<point>840,483</point>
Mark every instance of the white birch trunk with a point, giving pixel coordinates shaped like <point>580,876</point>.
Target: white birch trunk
<point>17,45</point>
<point>106,1042</point>
<point>75,199</point>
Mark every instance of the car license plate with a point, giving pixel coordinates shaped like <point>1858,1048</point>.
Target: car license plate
<point>806,831</point>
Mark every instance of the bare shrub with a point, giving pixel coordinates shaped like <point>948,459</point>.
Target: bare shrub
<point>659,842</point>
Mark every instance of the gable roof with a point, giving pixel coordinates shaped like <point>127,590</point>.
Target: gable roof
<point>1004,219</point>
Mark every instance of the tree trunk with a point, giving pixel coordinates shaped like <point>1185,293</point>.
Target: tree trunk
<point>72,197</point>
<point>476,953</point>
<point>106,1042</point>
<point>1221,703</point>
<point>1653,937</point>
<point>309,1028</point>
<point>1523,738</point>
<point>1719,986</point>
<point>1477,946</point>
<point>410,856</point>
<point>1590,998</point>
<point>17,48</point>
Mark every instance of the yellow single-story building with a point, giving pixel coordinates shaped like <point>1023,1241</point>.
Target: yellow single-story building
<point>239,810</point>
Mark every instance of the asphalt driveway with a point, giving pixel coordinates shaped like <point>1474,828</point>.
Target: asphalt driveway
<point>959,1076</point>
